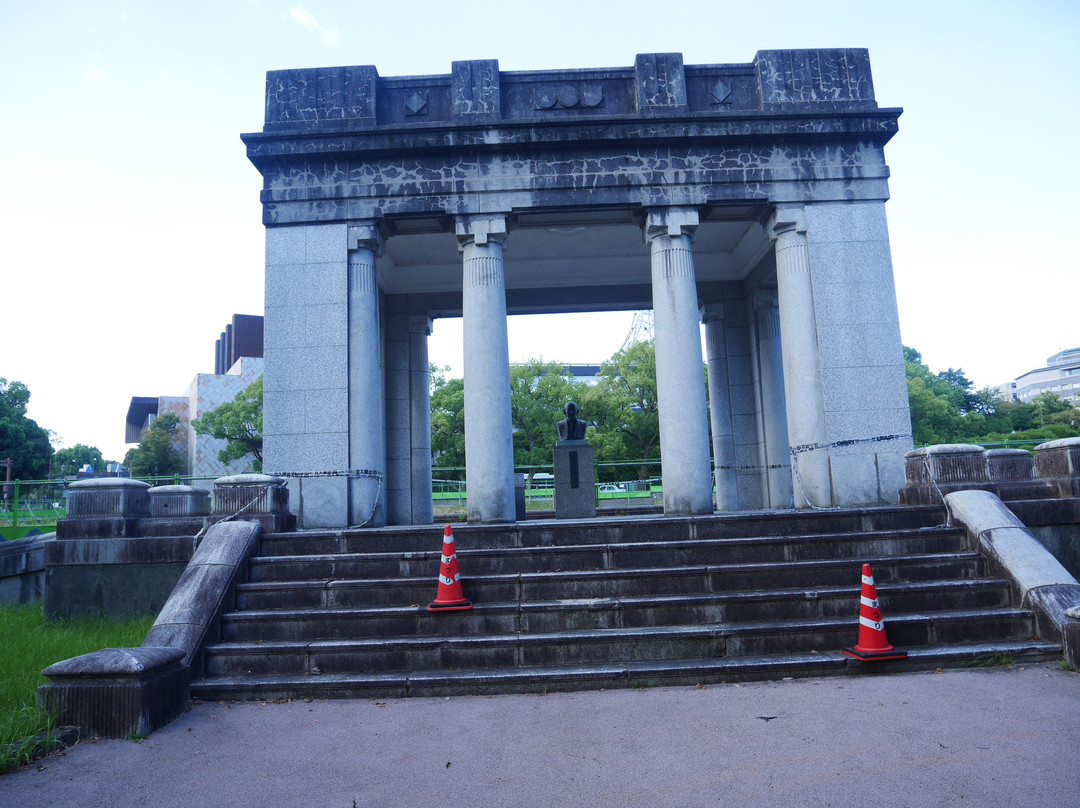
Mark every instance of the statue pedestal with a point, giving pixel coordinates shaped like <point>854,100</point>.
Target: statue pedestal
<point>575,480</point>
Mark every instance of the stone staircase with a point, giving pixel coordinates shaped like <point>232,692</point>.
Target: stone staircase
<point>615,602</point>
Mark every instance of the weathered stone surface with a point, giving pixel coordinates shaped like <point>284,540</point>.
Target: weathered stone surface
<point>575,480</point>
<point>170,501</point>
<point>204,588</point>
<point>1009,464</point>
<point>22,569</point>
<point>1040,580</point>
<point>108,497</point>
<point>250,494</point>
<point>117,692</point>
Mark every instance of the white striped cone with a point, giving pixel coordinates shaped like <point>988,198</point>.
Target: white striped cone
<point>449,596</point>
<point>873,643</point>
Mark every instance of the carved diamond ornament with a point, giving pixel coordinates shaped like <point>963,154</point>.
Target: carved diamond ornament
<point>416,104</point>
<point>719,93</point>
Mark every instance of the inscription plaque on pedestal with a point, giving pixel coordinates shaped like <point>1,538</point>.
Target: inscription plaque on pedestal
<point>575,480</point>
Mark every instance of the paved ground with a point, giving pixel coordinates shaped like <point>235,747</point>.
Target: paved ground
<point>981,737</point>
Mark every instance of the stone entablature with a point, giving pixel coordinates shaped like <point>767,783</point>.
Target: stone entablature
<point>342,143</point>
<point>355,98</point>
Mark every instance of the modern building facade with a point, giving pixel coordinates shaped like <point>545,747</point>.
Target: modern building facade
<point>1061,376</point>
<point>206,392</point>
<point>749,197</point>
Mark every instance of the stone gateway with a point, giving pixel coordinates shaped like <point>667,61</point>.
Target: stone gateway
<point>749,197</point>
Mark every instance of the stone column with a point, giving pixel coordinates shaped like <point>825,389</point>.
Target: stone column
<point>803,391</point>
<point>423,512</point>
<point>367,438</point>
<point>773,410</point>
<point>489,446</point>
<point>680,383</point>
<point>723,438</point>
<point>398,483</point>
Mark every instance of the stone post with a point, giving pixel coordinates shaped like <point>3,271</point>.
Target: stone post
<point>489,447</point>
<point>774,414</point>
<point>680,383</point>
<point>423,511</point>
<point>803,392</point>
<point>723,438</point>
<point>367,438</point>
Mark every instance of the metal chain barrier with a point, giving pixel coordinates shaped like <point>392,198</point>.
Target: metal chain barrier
<point>351,473</point>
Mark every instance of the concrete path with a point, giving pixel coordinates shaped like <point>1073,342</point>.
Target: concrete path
<point>981,737</point>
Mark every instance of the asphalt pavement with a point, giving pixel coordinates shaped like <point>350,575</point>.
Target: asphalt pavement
<point>983,737</point>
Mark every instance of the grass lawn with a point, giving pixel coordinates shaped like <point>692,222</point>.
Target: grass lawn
<point>28,645</point>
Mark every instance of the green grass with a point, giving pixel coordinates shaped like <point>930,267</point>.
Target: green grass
<point>1065,665</point>
<point>30,644</point>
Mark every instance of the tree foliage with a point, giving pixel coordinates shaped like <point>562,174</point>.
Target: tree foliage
<point>447,421</point>
<point>70,460</point>
<point>156,455</point>
<point>538,392</point>
<point>21,439</point>
<point>945,409</point>
<point>239,422</point>
<point>624,406</point>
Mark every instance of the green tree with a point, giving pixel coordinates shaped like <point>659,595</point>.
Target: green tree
<point>21,439</point>
<point>239,422</point>
<point>73,458</point>
<point>624,408</point>
<point>538,392</point>
<point>448,422</point>
<point>156,455</point>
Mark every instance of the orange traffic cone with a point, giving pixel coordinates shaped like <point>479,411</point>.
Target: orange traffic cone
<point>449,597</point>
<point>873,645</point>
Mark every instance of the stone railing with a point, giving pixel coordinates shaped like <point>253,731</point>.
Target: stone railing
<point>123,691</point>
<point>1013,474</point>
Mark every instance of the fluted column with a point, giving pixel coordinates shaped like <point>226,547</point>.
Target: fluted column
<point>723,438</point>
<point>774,411</point>
<point>489,446</point>
<point>367,437</point>
<point>803,393</point>
<point>680,383</point>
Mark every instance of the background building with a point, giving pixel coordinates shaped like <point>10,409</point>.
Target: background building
<point>1061,376</point>
<point>241,346</point>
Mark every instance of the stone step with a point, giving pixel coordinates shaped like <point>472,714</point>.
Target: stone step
<point>564,533</point>
<point>612,556</point>
<point>502,650</point>
<point>556,678</point>
<point>360,592</point>
<point>308,624</point>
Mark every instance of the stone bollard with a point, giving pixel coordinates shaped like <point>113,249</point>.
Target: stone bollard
<point>1058,461</point>
<point>1010,464</point>
<point>933,470</point>
<point>254,498</point>
<point>105,507</point>
<point>172,501</point>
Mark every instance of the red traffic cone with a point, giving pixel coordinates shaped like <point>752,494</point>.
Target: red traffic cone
<point>449,597</point>
<point>873,645</point>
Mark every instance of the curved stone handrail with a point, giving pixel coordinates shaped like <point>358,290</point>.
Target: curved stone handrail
<point>1042,583</point>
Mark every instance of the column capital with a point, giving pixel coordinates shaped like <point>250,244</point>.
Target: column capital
<point>365,235</point>
<point>671,221</point>
<point>420,324</point>
<point>786,219</point>
<point>712,313</point>
<point>480,229</point>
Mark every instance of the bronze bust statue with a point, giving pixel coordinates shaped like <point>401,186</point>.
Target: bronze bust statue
<point>571,428</point>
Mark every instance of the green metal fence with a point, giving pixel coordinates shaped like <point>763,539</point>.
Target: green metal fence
<point>625,483</point>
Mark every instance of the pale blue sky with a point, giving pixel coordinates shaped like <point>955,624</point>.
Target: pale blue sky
<point>130,222</point>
